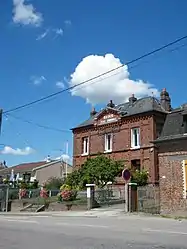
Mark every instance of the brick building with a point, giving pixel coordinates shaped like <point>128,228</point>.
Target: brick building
<point>172,155</point>
<point>124,132</point>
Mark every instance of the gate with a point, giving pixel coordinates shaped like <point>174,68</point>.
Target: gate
<point>3,197</point>
<point>149,199</point>
<point>109,196</point>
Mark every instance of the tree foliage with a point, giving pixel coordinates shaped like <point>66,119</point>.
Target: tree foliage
<point>53,183</point>
<point>98,170</point>
<point>140,177</point>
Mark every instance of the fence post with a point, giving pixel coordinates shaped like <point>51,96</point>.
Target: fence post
<point>90,195</point>
<point>7,199</point>
<point>126,198</point>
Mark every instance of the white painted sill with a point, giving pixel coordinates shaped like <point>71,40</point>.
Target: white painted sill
<point>107,151</point>
<point>135,148</point>
<point>84,154</point>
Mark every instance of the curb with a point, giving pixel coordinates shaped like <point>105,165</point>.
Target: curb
<point>47,215</point>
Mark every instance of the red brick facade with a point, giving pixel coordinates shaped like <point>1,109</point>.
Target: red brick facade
<point>121,142</point>
<point>171,177</point>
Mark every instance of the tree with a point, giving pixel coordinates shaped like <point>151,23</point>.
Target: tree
<point>99,170</point>
<point>54,183</point>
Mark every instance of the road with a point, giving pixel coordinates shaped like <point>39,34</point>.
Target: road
<point>91,233</point>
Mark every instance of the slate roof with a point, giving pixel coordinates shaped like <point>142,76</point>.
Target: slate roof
<point>174,126</point>
<point>127,109</point>
<point>21,168</point>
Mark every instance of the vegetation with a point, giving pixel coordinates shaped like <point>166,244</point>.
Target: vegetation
<point>99,170</point>
<point>53,183</point>
<point>140,177</point>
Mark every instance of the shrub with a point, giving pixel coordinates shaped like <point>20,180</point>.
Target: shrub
<point>44,193</point>
<point>54,183</point>
<point>140,177</point>
<point>68,195</point>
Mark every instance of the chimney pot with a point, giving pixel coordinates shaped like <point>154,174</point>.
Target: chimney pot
<point>132,99</point>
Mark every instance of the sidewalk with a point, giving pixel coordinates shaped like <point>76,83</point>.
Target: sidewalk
<point>96,213</point>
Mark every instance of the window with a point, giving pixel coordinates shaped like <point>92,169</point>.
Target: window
<point>135,138</point>
<point>108,142</point>
<point>135,164</point>
<point>85,145</point>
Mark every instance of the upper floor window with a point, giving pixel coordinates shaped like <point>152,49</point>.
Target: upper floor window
<point>85,145</point>
<point>108,142</point>
<point>135,138</point>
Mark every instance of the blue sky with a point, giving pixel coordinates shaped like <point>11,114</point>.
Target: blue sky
<point>43,43</point>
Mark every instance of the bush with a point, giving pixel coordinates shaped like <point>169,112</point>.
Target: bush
<point>54,183</point>
<point>140,177</point>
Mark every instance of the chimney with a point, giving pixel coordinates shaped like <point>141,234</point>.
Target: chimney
<point>48,160</point>
<point>165,100</point>
<point>4,164</point>
<point>132,99</point>
<point>111,104</point>
<point>93,112</point>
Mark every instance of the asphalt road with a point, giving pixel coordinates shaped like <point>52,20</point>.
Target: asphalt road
<point>88,233</point>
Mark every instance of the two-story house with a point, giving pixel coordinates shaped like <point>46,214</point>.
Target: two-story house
<point>124,132</point>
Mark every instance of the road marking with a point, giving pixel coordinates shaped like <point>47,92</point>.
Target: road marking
<point>25,221</point>
<point>164,231</point>
<point>80,225</point>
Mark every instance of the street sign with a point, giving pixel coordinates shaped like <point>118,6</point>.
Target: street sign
<point>126,174</point>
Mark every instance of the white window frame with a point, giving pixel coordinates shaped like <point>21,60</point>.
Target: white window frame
<point>133,145</point>
<point>107,149</point>
<point>85,141</point>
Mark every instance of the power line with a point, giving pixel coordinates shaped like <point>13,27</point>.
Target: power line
<point>38,125</point>
<point>96,77</point>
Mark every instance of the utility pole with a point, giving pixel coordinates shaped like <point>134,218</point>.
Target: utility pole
<point>67,145</point>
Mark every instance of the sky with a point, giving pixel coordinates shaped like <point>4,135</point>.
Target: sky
<point>47,46</point>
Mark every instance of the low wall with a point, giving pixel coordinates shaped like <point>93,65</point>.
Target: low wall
<point>17,205</point>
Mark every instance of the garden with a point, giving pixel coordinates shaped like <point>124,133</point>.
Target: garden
<point>71,192</point>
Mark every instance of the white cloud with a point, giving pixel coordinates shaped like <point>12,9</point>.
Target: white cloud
<point>59,31</point>
<point>67,22</point>
<point>37,80</point>
<point>43,35</point>
<point>60,84</point>
<point>64,157</point>
<point>17,152</point>
<point>26,14</point>
<point>116,85</point>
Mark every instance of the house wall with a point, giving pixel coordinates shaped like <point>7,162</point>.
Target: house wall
<point>54,170</point>
<point>171,181</point>
<point>121,149</point>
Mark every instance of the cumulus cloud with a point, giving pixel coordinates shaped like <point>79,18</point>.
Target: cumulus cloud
<point>60,84</point>
<point>26,14</point>
<point>116,85</point>
<point>17,152</point>
<point>37,80</point>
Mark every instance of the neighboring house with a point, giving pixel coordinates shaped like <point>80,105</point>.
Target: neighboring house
<point>124,131</point>
<point>40,171</point>
<point>52,169</point>
<point>172,155</point>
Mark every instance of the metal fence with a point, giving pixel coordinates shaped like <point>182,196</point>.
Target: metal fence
<point>148,199</point>
<point>109,196</point>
